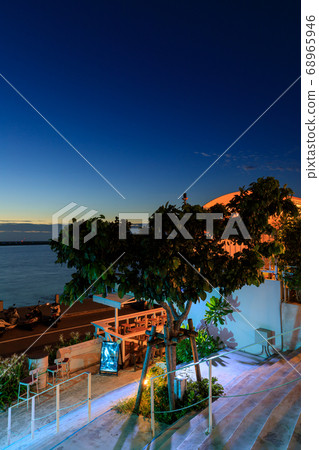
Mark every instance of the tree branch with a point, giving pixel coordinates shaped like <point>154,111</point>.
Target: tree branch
<point>170,317</point>
<point>183,316</point>
<point>175,315</point>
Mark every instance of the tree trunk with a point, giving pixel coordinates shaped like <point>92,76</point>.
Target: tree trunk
<point>144,370</point>
<point>171,331</point>
<point>194,351</point>
<point>169,367</point>
<point>173,365</point>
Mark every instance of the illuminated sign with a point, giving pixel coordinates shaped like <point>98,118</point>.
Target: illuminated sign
<point>109,357</point>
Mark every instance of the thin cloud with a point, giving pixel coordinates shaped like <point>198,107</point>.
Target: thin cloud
<point>248,168</point>
<point>283,169</point>
<point>272,167</point>
<point>203,154</point>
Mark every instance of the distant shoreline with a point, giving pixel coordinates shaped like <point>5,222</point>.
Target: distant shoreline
<point>5,243</point>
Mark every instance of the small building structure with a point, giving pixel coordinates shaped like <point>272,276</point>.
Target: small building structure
<point>268,306</point>
<point>129,329</point>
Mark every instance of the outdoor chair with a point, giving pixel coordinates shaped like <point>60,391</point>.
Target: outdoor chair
<point>141,323</point>
<point>65,369</point>
<point>54,370</point>
<point>137,353</point>
<point>152,321</point>
<point>126,327</point>
<point>31,380</point>
<point>160,320</point>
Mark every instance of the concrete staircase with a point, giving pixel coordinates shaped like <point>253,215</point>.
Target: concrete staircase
<point>268,420</point>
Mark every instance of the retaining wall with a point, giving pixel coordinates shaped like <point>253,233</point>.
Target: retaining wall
<point>82,355</point>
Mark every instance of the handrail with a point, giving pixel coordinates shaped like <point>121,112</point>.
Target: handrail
<point>51,388</point>
<point>113,333</point>
<point>57,407</point>
<point>231,396</point>
<point>131,316</point>
<point>128,336</point>
<point>209,359</point>
<point>225,354</point>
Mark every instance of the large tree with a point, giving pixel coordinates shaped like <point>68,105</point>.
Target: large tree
<point>176,270</point>
<point>289,261</point>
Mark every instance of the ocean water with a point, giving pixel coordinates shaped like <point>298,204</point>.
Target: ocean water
<point>28,273</point>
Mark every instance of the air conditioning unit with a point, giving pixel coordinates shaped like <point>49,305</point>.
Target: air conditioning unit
<point>261,333</point>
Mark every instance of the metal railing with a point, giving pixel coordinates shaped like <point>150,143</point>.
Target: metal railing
<point>57,405</point>
<point>210,396</point>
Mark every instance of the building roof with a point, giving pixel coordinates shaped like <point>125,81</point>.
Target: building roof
<point>223,199</point>
<point>113,300</point>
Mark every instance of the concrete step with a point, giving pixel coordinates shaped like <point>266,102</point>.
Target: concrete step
<point>268,366</point>
<point>279,428</point>
<point>247,382</point>
<point>252,425</point>
<point>295,441</point>
<point>195,429</point>
<point>251,380</point>
<point>237,386</point>
<point>174,428</point>
<point>226,425</point>
<point>222,407</point>
<point>261,364</point>
<point>182,425</point>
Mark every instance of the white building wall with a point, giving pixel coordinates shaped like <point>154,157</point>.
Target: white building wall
<point>260,306</point>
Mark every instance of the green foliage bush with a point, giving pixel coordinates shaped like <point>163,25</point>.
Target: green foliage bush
<point>195,392</point>
<point>217,310</point>
<point>184,351</point>
<point>206,345</point>
<point>12,370</point>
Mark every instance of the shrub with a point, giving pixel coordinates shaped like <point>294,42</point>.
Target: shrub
<point>195,392</point>
<point>88,336</point>
<point>51,351</point>
<point>206,345</point>
<point>184,351</point>
<point>12,370</point>
<point>75,338</point>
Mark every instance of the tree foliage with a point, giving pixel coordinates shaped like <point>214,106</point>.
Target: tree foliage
<point>175,273</point>
<point>217,310</point>
<point>289,261</point>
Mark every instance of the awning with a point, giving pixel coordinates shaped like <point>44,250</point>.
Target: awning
<point>114,300</point>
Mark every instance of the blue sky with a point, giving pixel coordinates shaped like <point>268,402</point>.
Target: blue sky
<point>150,93</point>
